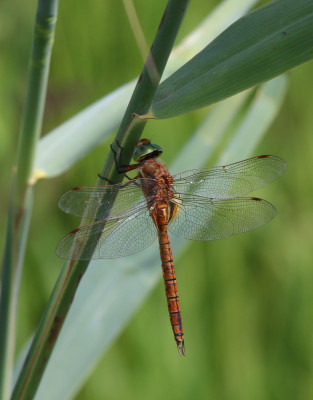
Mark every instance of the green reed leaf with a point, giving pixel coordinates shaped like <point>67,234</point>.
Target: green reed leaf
<point>256,48</point>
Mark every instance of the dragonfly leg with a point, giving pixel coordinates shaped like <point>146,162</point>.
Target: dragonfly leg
<point>119,185</point>
<point>105,179</point>
<point>118,163</point>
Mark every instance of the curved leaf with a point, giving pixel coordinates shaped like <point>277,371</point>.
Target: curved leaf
<point>256,48</point>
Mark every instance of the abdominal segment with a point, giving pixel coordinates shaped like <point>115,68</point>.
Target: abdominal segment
<point>171,290</point>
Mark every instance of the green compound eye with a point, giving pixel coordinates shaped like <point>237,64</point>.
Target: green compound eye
<point>143,150</point>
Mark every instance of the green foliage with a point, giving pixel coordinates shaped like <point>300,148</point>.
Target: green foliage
<point>256,48</point>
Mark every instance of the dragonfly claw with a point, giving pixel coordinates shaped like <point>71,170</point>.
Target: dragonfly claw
<point>181,347</point>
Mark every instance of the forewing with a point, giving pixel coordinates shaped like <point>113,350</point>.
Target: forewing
<point>231,180</point>
<point>116,238</point>
<point>209,219</point>
<point>104,202</point>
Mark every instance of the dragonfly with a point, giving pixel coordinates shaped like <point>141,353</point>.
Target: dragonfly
<point>199,204</point>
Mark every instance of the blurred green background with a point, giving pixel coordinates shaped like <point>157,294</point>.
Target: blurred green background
<point>246,301</point>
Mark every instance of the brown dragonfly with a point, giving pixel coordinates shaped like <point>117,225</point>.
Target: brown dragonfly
<point>199,204</point>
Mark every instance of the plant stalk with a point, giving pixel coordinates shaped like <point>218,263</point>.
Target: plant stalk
<point>21,191</point>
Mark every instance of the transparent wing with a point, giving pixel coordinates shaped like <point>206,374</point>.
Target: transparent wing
<point>231,180</point>
<point>105,201</point>
<point>116,238</point>
<point>209,219</point>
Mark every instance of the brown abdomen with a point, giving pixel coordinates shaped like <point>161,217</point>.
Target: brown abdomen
<point>169,275</point>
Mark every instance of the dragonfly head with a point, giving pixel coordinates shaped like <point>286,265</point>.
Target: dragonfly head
<point>145,149</point>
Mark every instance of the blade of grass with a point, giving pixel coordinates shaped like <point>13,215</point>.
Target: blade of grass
<point>256,48</point>
<point>21,198</point>
<point>223,15</point>
<point>7,312</point>
<point>72,272</point>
